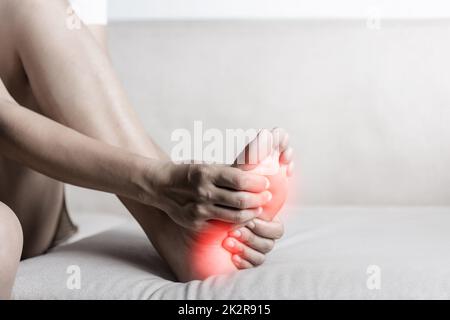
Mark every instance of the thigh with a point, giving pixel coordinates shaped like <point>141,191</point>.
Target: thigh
<point>73,79</point>
<point>36,200</point>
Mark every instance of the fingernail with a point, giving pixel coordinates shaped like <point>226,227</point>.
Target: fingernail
<point>251,225</point>
<point>269,196</point>
<point>236,259</point>
<point>230,243</point>
<point>236,233</point>
<point>267,183</point>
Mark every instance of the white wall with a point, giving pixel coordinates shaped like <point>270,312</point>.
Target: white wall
<point>231,9</point>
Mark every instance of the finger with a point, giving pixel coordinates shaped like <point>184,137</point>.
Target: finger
<point>243,251</point>
<point>287,155</point>
<point>240,199</point>
<point>241,263</point>
<point>267,229</point>
<point>260,244</point>
<point>237,179</point>
<point>232,215</point>
<point>280,139</point>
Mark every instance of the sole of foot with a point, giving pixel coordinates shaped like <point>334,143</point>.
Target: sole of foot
<point>198,255</point>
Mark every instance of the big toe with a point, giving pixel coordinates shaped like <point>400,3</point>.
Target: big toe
<point>280,139</point>
<point>261,155</point>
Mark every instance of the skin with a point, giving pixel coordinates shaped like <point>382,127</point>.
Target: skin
<point>55,98</point>
<point>267,227</point>
<point>10,249</point>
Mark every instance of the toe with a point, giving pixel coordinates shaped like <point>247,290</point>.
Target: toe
<point>280,139</point>
<point>241,263</point>
<point>287,155</point>
<point>256,151</point>
<point>244,252</point>
<point>268,229</point>
<point>260,244</point>
<point>252,256</point>
<point>231,245</point>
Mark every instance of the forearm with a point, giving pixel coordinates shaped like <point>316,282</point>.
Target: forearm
<point>66,155</point>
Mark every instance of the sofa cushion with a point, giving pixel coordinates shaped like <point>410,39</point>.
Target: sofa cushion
<point>327,253</point>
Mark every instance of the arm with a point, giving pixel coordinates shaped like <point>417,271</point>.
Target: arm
<point>66,155</point>
<point>69,156</point>
<point>79,89</point>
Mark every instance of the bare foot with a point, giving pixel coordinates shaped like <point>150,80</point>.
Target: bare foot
<point>198,255</point>
<point>269,155</point>
<point>191,255</point>
<point>250,243</point>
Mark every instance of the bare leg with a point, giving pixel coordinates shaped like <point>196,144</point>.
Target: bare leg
<point>36,199</point>
<point>79,89</point>
<point>10,249</point>
<point>93,104</point>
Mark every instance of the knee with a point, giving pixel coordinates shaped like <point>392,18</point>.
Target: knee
<point>25,14</point>
<point>10,249</point>
<point>10,229</point>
